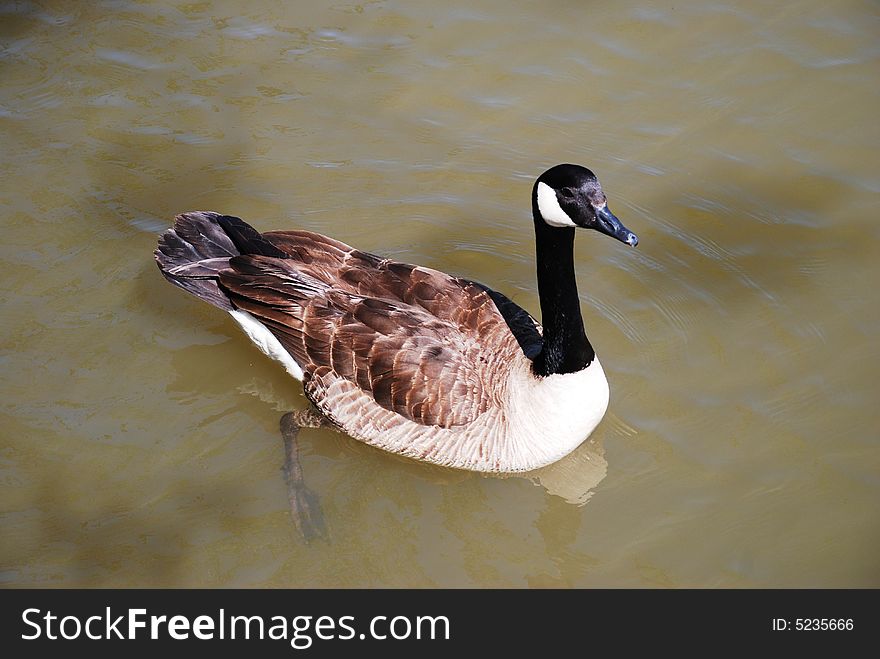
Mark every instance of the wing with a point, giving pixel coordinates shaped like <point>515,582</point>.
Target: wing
<point>441,295</point>
<point>429,367</point>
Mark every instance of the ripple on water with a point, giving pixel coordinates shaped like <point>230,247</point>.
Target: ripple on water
<point>241,28</point>
<point>808,56</point>
<point>726,257</point>
<point>650,170</point>
<point>620,319</point>
<point>150,225</point>
<point>172,134</point>
<point>33,10</point>
<point>128,59</point>
<point>196,139</point>
<point>791,399</point>
<point>362,41</point>
<point>46,92</point>
<point>813,265</point>
<point>115,99</point>
<point>18,49</point>
<point>679,311</point>
<point>655,15</point>
<point>193,100</point>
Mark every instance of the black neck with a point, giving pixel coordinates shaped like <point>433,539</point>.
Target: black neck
<point>566,348</point>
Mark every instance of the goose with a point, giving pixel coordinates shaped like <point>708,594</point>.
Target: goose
<point>408,359</point>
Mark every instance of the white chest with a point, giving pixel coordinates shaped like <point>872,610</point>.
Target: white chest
<point>551,416</point>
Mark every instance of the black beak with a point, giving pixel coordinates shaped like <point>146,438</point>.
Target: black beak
<point>607,223</point>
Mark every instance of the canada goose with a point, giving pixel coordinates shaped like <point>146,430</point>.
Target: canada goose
<point>408,359</point>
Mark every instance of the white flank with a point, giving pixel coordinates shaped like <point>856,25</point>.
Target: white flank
<point>550,209</point>
<point>266,341</point>
<point>538,421</point>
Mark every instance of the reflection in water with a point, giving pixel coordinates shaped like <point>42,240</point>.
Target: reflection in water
<point>281,401</point>
<point>575,477</point>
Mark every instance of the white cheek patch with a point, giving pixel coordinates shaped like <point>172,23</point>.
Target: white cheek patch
<point>550,209</point>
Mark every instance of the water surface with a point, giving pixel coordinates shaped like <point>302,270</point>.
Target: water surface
<point>739,140</point>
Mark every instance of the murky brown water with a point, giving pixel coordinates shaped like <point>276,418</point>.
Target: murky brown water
<point>739,140</point>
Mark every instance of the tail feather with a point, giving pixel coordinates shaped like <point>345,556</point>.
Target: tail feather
<point>247,239</point>
<point>223,260</point>
<point>192,254</point>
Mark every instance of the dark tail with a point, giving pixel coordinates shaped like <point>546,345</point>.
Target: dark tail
<point>193,253</point>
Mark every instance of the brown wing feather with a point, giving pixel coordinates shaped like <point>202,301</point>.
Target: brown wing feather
<point>348,269</point>
<point>426,368</point>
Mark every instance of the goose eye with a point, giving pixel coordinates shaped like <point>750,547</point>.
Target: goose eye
<point>568,193</point>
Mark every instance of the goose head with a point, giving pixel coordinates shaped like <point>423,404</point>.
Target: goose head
<point>567,196</point>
